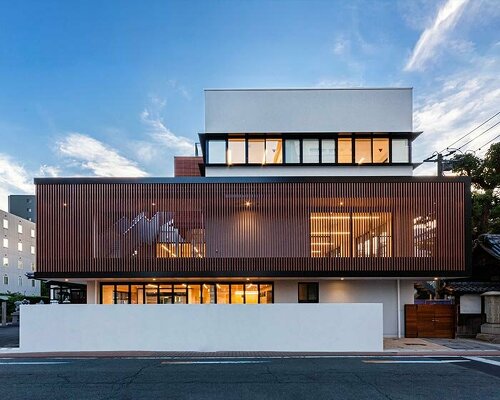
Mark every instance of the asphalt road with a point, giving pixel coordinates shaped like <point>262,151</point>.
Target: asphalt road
<point>9,336</point>
<point>318,378</point>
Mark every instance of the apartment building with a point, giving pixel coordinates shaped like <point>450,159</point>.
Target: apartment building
<point>18,249</point>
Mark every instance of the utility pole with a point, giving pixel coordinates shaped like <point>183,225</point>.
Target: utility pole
<point>440,164</point>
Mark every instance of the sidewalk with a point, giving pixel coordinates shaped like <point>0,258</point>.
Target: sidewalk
<point>392,348</point>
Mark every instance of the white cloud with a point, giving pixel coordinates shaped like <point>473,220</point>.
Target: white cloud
<point>459,103</point>
<point>14,179</point>
<point>161,134</point>
<point>49,171</point>
<point>435,34</point>
<point>92,155</point>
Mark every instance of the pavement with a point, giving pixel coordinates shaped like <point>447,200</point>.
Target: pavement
<point>374,378</point>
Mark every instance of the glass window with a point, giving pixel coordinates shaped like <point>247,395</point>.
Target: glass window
<point>32,249</point>
<point>5,262</point>
<point>328,151</point>
<point>5,224</point>
<point>292,151</point>
<point>121,294</point>
<point>33,266</point>
<point>19,281</point>
<point>380,150</point>
<point>222,294</point>
<point>151,293</point>
<point>20,264</point>
<point>216,151</point>
<point>400,153</point>
<point>424,235</point>
<point>32,233</point>
<point>5,242</point>
<point>180,294</point>
<point>310,151</point>
<point>236,151</point>
<point>5,279</point>
<point>345,150</point>
<point>309,292</point>
<point>208,293</point>
<point>165,293</point>
<point>237,294</point>
<point>265,293</point>
<point>251,293</point>
<point>107,294</point>
<point>136,294</point>
<point>194,294</point>
<point>363,149</point>
<point>256,151</point>
<point>20,246</point>
<point>19,228</point>
<point>330,234</point>
<point>274,151</point>
<point>32,283</point>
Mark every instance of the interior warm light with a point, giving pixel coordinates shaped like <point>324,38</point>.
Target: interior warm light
<point>65,204</point>
<point>330,233</point>
<point>436,279</point>
<point>154,279</point>
<point>66,280</point>
<point>341,203</point>
<point>153,204</point>
<point>169,251</point>
<point>342,279</point>
<point>247,203</point>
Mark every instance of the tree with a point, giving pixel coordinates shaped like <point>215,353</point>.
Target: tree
<point>485,177</point>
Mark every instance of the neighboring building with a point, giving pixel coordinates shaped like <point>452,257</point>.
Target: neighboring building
<point>308,197</point>
<point>485,277</point>
<point>17,247</point>
<point>23,205</point>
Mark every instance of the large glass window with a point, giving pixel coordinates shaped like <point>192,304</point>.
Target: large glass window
<point>236,151</point>
<point>137,294</point>
<point>424,235</point>
<point>363,149</point>
<point>336,234</point>
<point>310,151</point>
<point>380,150</point>
<point>151,293</point>
<point>237,294</point>
<point>208,293</point>
<point>345,150</point>
<point>121,294</point>
<point>194,294</point>
<point>308,292</point>
<point>400,153</point>
<point>328,151</point>
<point>265,293</point>
<point>180,294</point>
<point>274,151</point>
<point>256,151</point>
<point>222,294</point>
<point>107,294</point>
<point>292,151</point>
<point>251,293</point>
<point>165,294</point>
<point>217,151</point>
<point>5,224</point>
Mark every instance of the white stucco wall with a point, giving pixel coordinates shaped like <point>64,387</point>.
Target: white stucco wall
<point>304,170</point>
<point>309,110</point>
<point>470,304</point>
<point>202,327</point>
<point>356,291</point>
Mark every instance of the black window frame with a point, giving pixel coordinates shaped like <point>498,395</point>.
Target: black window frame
<point>309,285</point>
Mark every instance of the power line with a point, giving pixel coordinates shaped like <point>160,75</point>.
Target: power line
<point>468,133</point>
<point>487,143</point>
<point>481,134</point>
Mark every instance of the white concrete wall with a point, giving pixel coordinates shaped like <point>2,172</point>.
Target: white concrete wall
<point>308,110</point>
<point>92,292</point>
<point>470,304</point>
<point>356,291</point>
<point>304,170</point>
<point>203,327</point>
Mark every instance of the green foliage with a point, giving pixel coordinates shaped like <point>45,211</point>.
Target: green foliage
<point>485,177</point>
<point>13,297</point>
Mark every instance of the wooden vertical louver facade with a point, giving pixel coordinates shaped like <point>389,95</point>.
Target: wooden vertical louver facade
<point>230,227</point>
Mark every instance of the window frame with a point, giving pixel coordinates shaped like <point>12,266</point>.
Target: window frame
<point>309,285</point>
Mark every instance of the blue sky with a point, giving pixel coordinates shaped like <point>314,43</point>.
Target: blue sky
<point>116,87</point>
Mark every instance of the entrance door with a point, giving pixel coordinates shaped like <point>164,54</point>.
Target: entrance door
<point>430,320</point>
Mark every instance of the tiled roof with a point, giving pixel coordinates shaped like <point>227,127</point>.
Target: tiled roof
<point>471,287</point>
<point>490,243</point>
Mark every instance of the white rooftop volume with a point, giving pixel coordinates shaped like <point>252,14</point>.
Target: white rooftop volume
<point>308,110</point>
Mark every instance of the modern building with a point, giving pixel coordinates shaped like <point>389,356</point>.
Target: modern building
<point>302,196</point>
<point>18,250</point>
<point>23,205</point>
